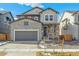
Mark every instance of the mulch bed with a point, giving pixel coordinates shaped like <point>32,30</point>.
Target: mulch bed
<point>2,53</point>
<point>42,53</point>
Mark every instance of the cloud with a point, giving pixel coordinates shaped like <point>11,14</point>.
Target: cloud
<point>33,4</point>
<point>39,1</point>
<point>30,1</point>
<point>2,9</point>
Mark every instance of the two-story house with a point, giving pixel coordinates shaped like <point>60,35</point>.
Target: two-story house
<point>34,24</point>
<point>5,18</point>
<point>69,24</point>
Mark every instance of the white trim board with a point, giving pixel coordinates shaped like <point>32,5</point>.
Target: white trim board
<point>27,30</point>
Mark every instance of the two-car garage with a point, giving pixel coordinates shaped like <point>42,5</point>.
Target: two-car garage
<point>26,35</point>
<point>29,33</point>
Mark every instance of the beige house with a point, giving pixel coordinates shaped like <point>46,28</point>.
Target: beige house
<point>34,24</point>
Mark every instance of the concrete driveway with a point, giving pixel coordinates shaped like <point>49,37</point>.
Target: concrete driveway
<point>19,46</point>
<point>17,49</point>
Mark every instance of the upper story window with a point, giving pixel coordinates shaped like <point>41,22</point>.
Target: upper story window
<point>51,17</point>
<point>48,17</point>
<point>35,18</point>
<point>8,19</point>
<point>78,17</point>
<point>26,23</point>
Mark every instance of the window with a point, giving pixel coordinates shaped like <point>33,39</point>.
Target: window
<point>35,18</point>
<point>46,17</point>
<point>54,28</point>
<point>25,23</point>
<point>78,17</point>
<point>51,17</point>
<point>8,19</point>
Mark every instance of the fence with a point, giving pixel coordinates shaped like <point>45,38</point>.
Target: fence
<point>4,37</point>
<point>67,37</point>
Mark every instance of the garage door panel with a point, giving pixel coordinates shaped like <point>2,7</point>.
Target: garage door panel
<point>25,35</point>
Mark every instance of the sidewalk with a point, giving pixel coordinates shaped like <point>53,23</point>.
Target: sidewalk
<point>32,52</point>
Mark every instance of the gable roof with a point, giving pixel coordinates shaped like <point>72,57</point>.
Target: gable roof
<point>75,12</point>
<point>49,9</point>
<point>40,9</point>
<point>71,12</point>
<point>33,14</point>
<point>26,18</point>
<point>32,9</point>
<point>2,12</point>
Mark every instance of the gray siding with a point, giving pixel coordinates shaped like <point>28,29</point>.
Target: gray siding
<point>4,24</point>
<point>4,28</point>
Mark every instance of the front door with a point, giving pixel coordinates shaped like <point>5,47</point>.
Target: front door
<point>45,31</point>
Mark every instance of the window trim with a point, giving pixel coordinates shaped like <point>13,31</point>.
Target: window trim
<point>45,17</point>
<point>36,17</point>
<point>8,18</point>
<point>78,17</point>
<point>25,23</point>
<point>52,17</point>
<point>48,17</point>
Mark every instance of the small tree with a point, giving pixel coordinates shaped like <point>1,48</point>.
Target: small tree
<point>67,22</point>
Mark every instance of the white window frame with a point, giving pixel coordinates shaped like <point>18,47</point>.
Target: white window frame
<point>52,17</point>
<point>78,17</point>
<point>35,17</point>
<point>48,17</point>
<point>45,18</point>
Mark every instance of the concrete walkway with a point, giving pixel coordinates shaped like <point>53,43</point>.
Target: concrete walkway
<point>21,53</point>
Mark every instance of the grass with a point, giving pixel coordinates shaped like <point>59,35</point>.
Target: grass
<point>42,53</point>
<point>2,53</point>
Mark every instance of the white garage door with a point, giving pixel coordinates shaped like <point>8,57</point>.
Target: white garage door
<point>26,36</point>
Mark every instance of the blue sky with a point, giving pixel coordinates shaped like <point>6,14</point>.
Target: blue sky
<point>18,8</point>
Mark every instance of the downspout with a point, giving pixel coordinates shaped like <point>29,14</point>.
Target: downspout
<point>78,31</point>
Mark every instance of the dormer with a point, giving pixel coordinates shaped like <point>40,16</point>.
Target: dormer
<point>48,16</point>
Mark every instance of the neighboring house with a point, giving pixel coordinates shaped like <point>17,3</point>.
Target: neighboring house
<point>5,18</point>
<point>34,24</point>
<point>69,24</point>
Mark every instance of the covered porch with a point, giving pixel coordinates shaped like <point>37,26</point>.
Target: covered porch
<point>50,31</point>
